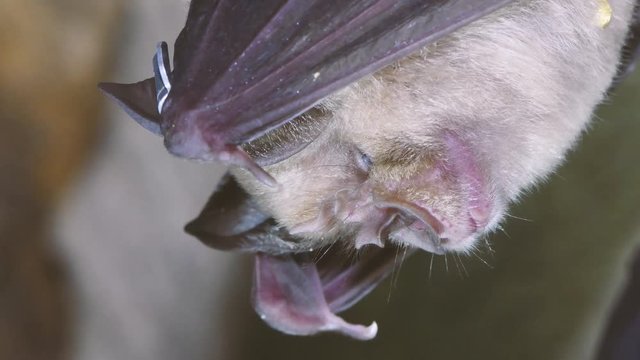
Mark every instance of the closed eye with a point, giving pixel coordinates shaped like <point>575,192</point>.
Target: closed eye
<point>364,161</point>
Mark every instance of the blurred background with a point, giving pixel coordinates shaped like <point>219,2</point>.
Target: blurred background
<point>94,263</point>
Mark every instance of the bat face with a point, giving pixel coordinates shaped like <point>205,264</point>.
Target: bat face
<point>379,174</point>
<point>429,152</point>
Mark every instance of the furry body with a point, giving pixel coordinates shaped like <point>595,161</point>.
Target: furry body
<point>454,132</point>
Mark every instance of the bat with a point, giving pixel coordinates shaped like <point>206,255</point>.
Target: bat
<point>362,127</point>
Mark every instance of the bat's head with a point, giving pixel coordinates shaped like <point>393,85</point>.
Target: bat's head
<point>413,157</point>
<point>373,182</point>
<point>388,170</point>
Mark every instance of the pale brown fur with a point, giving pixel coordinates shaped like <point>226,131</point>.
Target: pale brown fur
<point>518,87</point>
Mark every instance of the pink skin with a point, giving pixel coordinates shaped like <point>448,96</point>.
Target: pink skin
<point>480,208</point>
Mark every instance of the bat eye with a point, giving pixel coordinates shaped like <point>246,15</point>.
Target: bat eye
<point>364,161</point>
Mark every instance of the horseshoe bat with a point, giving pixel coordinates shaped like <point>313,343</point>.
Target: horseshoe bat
<point>361,128</point>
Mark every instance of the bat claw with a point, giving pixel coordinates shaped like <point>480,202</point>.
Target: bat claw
<point>234,155</point>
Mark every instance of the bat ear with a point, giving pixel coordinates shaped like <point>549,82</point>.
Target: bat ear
<point>230,219</point>
<point>138,100</point>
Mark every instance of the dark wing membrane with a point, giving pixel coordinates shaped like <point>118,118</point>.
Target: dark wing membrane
<point>248,66</point>
<point>138,100</point>
<point>231,220</point>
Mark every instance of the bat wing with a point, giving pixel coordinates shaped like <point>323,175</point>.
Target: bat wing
<point>243,68</point>
<point>138,100</point>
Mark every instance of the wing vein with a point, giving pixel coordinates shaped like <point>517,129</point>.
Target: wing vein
<point>322,41</point>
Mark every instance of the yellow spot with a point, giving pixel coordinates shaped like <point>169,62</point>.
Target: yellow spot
<point>603,17</point>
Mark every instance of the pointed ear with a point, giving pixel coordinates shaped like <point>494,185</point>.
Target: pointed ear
<point>229,211</point>
<point>231,220</point>
<point>138,100</point>
<point>229,215</point>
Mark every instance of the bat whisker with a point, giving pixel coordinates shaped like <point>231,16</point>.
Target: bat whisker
<point>482,260</point>
<point>325,252</point>
<point>502,230</point>
<point>518,217</point>
<point>488,244</point>
<point>393,271</point>
<point>455,262</point>
<point>464,269</point>
<point>397,275</point>
<point>431,266</point>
